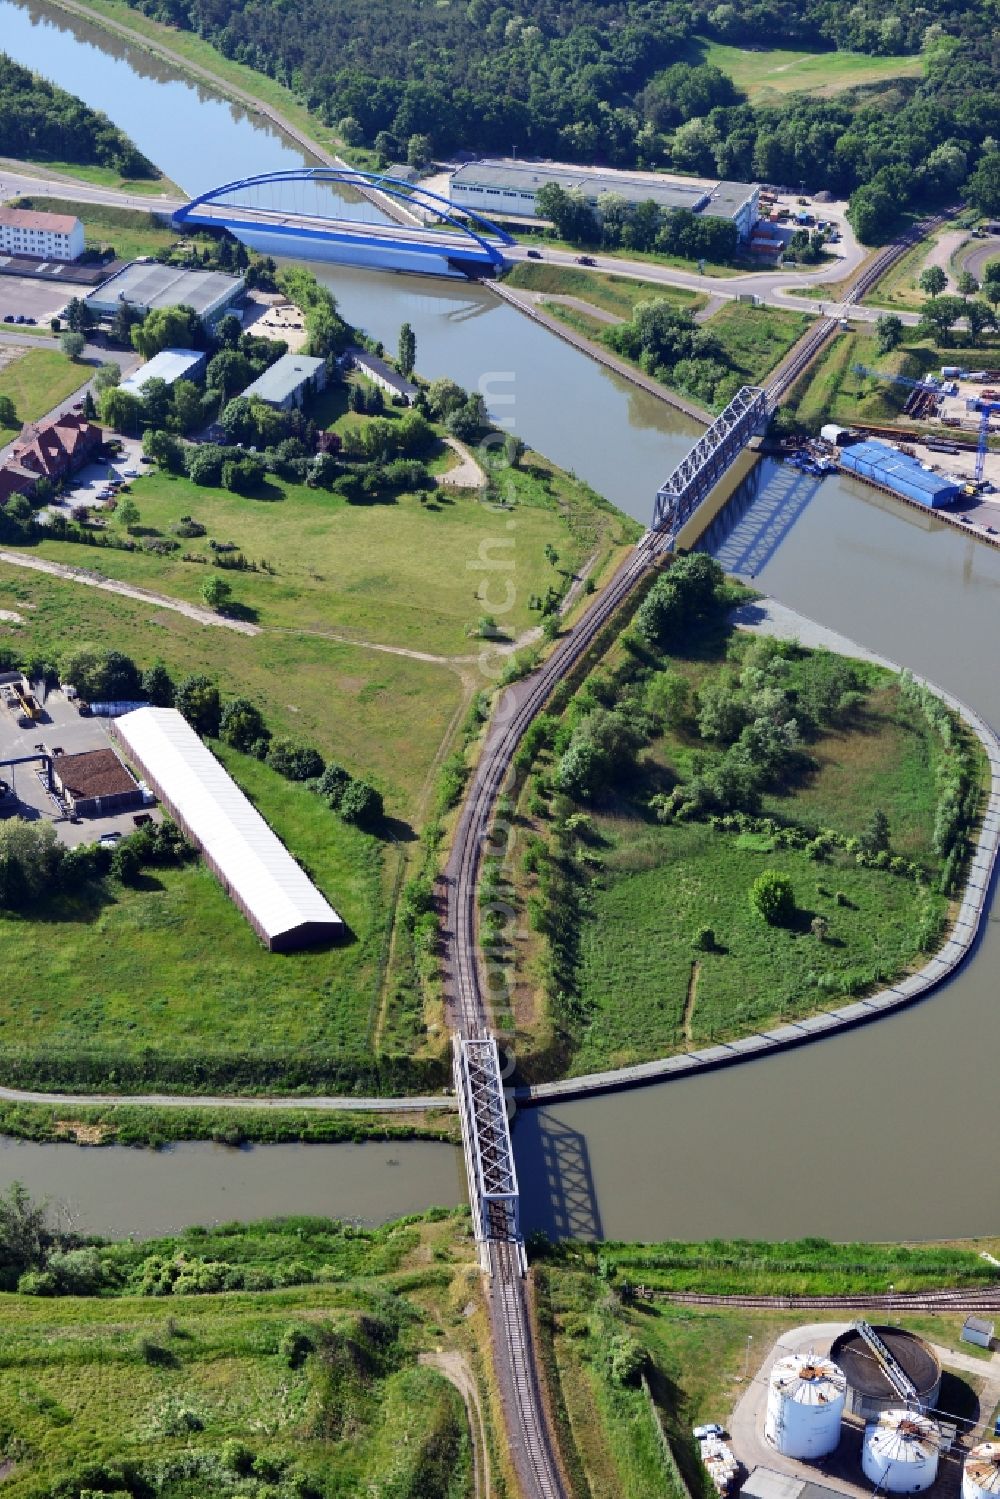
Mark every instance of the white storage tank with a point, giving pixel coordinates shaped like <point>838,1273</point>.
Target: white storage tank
<point>981,1478</point>
<point>900,1452</point>
<point>805,1401</point>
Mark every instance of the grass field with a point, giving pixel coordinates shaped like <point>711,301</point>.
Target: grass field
<point>314,1388</point>
<point>36,382</point>
<point>129,232</point>
<point>154,982</point>
<point>616,294</point>
<point>356,706</point>
<point>765,75</point>
<point>663,884</point>
<point>756,339</point>
<point>400,573</point>
<point>106,177</point>
<point>898,288</point>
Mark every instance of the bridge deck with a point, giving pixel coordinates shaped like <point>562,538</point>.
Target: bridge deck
<point>489,1154</point>
<point>698,473</point>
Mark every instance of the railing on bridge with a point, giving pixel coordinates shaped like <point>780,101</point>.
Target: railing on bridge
<point>698,473</point>
<point>489,1155</point>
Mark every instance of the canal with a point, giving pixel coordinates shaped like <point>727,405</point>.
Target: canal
<point>886,1132</point>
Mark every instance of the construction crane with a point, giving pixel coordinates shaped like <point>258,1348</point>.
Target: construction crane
<point>987,408</point>
<point>927,382</point>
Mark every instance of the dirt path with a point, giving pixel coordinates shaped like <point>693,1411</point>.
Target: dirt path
<point>467,474</point>
<point>128,591</point>
<point>456,1370</point>
<point>689,1003</point>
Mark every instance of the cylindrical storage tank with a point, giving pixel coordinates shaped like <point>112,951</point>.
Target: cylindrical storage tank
<point>805,1401</point>
<point>900,1452</point>
<point>869,1391</point>
<point>981,1478</point>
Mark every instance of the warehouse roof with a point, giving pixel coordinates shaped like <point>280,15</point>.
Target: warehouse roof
<point>93,773</point>
<point>284,377</point>
<point>766,1483</point>
<point>719,199</point>
<point>892,466</point>
<point>168,365</point>
<point>252,863</point>
<point>30,218</point>
<point>373,365</point>
<point>146,285</point>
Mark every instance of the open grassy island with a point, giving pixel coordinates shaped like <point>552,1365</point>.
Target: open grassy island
<point>718,831</point>
<point>316,610</point>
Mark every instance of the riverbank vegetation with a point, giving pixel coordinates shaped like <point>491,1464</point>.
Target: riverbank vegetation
<point>40,122</point>
<point>293,1358</point>
<point>717,832</point>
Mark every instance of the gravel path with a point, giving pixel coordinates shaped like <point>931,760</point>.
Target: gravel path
<point>467,474</point>
<point>128,591</point>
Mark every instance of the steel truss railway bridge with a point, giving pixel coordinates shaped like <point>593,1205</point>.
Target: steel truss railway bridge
<point>304,212</point>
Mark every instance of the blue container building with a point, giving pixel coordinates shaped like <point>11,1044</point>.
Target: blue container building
<point>902,475</point>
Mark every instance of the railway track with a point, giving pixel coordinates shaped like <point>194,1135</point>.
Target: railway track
<point>467,1000</point>
<point>959,1301</point>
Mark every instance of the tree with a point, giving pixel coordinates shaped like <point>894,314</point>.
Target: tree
<point>30,855</point>
<point>187,412</point>
<point>406,357</point>
<point>228,331</point>
<point>772,897</point>
<point>89,406</point>
<point>72,344</point>
<point>126,862</point>
<point>243,475</point>
<point>386,147</point>
<point>158,686</point>
<point>444,397</point>
<point>333,783</point>
<point>350,130</point>
<point>127,514</point>
<point>361,804</point>
<point>156,402</point>
<point>297,762</point>
<point>967,285</point>
<point>197,698</point>
<point>983,186</point>
<point>8,412</point>
<point>228,371</point>
<point>164,449</point>
<point>419,150</point>
<point>875,837</point>
<point>888,332</point>
<point>216,592</point>
<point>166,328</point>
<point>107,375</point>
<point>78,315</point>
<point>23,1235</point>
<point>668,697</point>
<point>513,449</point>
<point>242,724</point>
<point>979,317</point>
<point>120,409</point>
<point>933,281</point>
<point>938,316</point>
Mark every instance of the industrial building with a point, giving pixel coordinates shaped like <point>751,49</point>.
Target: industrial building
<point>977,1330</point>
<point>902,475</point>
<point>981,1476</point>
<point>805,1403</point>
<point>169,365</point>
<point>509,188</point>
<point>144,285</point>
<point>900,1452</point>
<point>396,386</point>
<point>768,1483</point>
<point>252,865</point>
<point>95,783</point>
<point>875,1360</point>
<point>41,236</point>
<point>288,382</point>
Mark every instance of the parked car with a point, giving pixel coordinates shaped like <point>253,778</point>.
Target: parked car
<point>108,840</point>
<point>534,254</point>
<point>8,317</point>
<point>710,1429</point>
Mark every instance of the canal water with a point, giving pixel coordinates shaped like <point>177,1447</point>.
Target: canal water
<point>886,1132</point>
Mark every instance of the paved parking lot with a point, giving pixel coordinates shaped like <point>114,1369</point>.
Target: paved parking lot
<point>62,728</point>
<point>41,300</point>
<point>86,487</point>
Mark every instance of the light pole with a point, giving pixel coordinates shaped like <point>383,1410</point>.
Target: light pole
<point>746,1361</point>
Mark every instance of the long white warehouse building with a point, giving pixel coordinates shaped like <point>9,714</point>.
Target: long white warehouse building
<point>252,865</point>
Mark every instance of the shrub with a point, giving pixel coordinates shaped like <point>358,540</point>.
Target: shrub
<point>772,897</point>
<point>333,783</point>
<point>295,1346</point>
<point>297,762</point>
<point>361,804</point>
<point>703,939</point>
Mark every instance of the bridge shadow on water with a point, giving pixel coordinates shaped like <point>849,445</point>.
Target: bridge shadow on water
<point>557,1189</point>
<point>751,526</point>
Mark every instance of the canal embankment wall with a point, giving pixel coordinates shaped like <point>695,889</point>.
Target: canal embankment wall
<point>766,616</point>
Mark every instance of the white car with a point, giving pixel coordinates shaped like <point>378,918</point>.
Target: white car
<point>711,1429</point>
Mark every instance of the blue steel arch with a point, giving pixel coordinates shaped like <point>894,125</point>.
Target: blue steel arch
<point>393,187</point>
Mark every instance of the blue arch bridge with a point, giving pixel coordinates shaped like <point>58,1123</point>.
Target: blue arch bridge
<point>354,218</point>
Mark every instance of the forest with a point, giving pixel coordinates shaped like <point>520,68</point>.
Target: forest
<point>40,122</point>
<point>621,83</point>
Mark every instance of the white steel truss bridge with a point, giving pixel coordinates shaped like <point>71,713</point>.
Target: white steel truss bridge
<point>701,469</point>
<point>489,1155</point>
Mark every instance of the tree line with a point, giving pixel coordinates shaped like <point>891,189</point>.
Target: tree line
<point>39,121</point>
